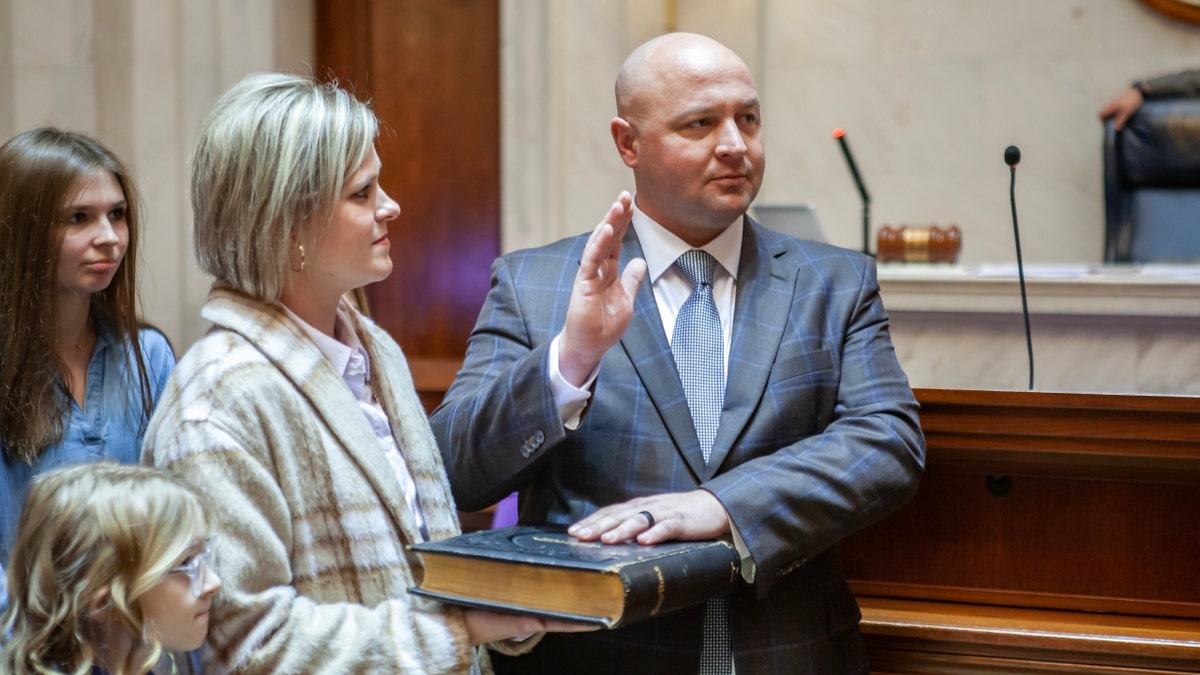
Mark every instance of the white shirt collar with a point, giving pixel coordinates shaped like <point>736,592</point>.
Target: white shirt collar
<point>338,352</point>
<point>661,248</point>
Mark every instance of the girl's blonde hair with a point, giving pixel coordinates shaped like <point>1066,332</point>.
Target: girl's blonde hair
<point>271,160</point>
<point>92,540</point>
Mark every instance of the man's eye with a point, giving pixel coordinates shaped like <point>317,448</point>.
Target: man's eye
<point>700,123</point>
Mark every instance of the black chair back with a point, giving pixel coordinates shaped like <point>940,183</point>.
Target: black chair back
<point>1152,184</point>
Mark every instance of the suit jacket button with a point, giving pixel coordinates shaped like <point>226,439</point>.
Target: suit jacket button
<point>533,443</point>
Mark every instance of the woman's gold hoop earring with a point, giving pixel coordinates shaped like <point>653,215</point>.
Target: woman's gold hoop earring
<point>301,268</point>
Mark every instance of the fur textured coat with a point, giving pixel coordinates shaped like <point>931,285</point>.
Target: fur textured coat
<point>309,520</point>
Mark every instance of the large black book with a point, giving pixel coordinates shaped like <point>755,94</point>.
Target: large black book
<point>543,571</point>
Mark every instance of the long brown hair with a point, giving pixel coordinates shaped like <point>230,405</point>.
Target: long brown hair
<point>38,170</point>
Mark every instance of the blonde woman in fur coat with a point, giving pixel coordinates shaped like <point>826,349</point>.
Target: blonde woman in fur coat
<point>296,416</point>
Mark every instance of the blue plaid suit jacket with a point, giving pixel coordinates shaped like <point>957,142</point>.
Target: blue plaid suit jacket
<point>818,438</point>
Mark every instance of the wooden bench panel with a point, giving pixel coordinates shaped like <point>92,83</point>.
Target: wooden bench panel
<point>1052,533</point>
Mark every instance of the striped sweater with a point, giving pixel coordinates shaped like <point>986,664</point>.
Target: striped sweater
<point>308,516</point>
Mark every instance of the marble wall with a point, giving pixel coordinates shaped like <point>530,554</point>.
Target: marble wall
<point>1096,354</point>
<point>1101,331</point>
<point>930,93</point>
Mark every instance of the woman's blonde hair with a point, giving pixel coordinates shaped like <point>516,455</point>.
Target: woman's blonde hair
<point>39,170</point>
<point>272,157</point>
<point>92,540</point>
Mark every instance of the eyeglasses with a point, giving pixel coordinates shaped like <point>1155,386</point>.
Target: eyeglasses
<point>196,567</point>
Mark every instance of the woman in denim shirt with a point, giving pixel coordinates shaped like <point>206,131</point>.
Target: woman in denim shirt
<point>79,373</point>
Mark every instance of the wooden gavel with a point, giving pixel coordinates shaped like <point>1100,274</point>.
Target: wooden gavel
<point>918,244</point>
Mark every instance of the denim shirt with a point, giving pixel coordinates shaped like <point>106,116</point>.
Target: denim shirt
<point>109,426</point>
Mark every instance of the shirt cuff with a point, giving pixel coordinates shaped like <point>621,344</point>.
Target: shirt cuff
<point>749,571</point>
<point>569,399</point>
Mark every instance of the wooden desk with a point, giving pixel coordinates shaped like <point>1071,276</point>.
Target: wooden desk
<point>1052,533</point>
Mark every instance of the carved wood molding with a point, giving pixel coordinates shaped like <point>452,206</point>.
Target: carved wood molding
<point>1130,437</point>
<point>933,637</point>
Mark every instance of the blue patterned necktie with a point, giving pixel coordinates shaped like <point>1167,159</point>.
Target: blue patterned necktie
<point>698,346</point>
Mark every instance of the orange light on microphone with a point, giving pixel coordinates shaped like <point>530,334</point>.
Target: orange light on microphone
<point>839,132</point>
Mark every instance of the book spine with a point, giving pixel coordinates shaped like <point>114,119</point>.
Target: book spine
<point>662,585</point>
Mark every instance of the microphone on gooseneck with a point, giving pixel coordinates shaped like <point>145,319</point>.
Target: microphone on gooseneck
<point>1012,157</point>
<point>840,135</point>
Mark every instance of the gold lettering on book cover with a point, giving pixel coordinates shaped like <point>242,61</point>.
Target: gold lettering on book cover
<point>566,541</point>
<point>662,591</point>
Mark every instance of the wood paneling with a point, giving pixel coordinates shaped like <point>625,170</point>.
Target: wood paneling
<point>431,69</point>
<point>1051,533</point>
<point>432,378</point>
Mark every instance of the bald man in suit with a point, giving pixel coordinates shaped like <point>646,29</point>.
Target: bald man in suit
<point>570,392</point>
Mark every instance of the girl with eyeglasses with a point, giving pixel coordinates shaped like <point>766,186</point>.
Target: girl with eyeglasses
<point>111,572</point>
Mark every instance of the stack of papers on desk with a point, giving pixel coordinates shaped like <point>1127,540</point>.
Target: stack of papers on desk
<point>1148,271</point>
<point>1165,271</point>
<point>1009,270</point>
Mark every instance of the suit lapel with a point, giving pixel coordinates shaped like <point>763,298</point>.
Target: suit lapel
<point>764,302</point>
<point>646,345</point>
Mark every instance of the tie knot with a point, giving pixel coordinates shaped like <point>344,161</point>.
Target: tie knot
<point>697,266</point>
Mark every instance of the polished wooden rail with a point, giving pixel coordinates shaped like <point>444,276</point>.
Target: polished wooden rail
<point>1052,533</point>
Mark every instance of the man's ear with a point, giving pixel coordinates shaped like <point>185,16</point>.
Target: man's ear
<point>625,137</point>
